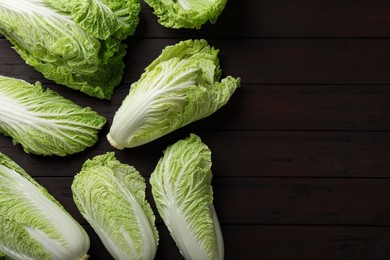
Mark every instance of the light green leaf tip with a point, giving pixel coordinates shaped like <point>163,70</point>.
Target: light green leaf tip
<point>186,13</point>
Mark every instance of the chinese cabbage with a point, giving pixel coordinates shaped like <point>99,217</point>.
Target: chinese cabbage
<point>33,225</point>
<point>181,86</point>
<point>76,43</point>
<point>111,197</point>
<point>182,191</point>
<point>44,122</point>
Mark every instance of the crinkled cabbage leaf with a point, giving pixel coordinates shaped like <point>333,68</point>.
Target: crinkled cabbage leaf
<point>33,224</point>
<point>186,13</point>
<point>181,86</point>
<point>181,188</point>
<point>76,43</point>
<point>44,122</point>
<point>111,197</point>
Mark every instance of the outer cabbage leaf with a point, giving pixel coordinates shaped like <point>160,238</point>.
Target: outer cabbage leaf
<point>111,197</point>
<point>181,86</point>
<point>33,225</point>
<point>44,122</point>
<point>186,13</point>
<point>74,43</point>
<point>181,188</point>
<point>102,18</point>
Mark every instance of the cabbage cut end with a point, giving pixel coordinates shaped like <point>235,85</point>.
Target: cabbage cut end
<point>113,143</point>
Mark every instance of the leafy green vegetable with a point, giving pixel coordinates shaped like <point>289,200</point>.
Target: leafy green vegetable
<point>77,43</point>
<point>181,86</point>
<point>33,225</point>
<point>111,197</point>
<point>44,122</point>
<point>181,188</point>
<point>186,13</point>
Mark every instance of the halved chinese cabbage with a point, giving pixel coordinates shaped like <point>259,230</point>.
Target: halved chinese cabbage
<point>44,122</point>
<point>33,224</point>
<point>111,197</point>
<point>181,188</point>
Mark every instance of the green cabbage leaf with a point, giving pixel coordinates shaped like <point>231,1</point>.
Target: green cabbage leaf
<point>76,43</point>
<point>33,225</point>
<point>182,191</point>
<point>186,13</point>
<point>111,197</point>
<point>44,122</point>
<point>181,86</point>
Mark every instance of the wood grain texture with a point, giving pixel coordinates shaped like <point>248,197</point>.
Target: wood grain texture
<point>260,61</point>
<point>300,153</point>
<point>282,18</point>
<point>298,18</point>
<point>285,242</point>
<point>287,201</point>
<point>249,153</point>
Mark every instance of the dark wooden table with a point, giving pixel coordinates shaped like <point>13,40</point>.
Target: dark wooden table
<point>301,158</point>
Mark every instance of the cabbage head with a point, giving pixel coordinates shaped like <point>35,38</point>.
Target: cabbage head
<point>76,43</point>
<point>182,191</point>
<point>179,87</point>
<point>33,224</point>
<point>44,122</point>
<point>111,197</point>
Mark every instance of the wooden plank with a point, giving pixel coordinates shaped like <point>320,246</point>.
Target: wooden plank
<point>306,242</point>
<point>282,242</point>
<point>302,201</point>
<point>262,61</point>
<point>298,201</point>
<point>310,107</point>
<point>306,61</point>
<point>299,154</point>
<point>297,18</point>
<point>297,107</point>
<point>278,107</point>
<point>243,154</point>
